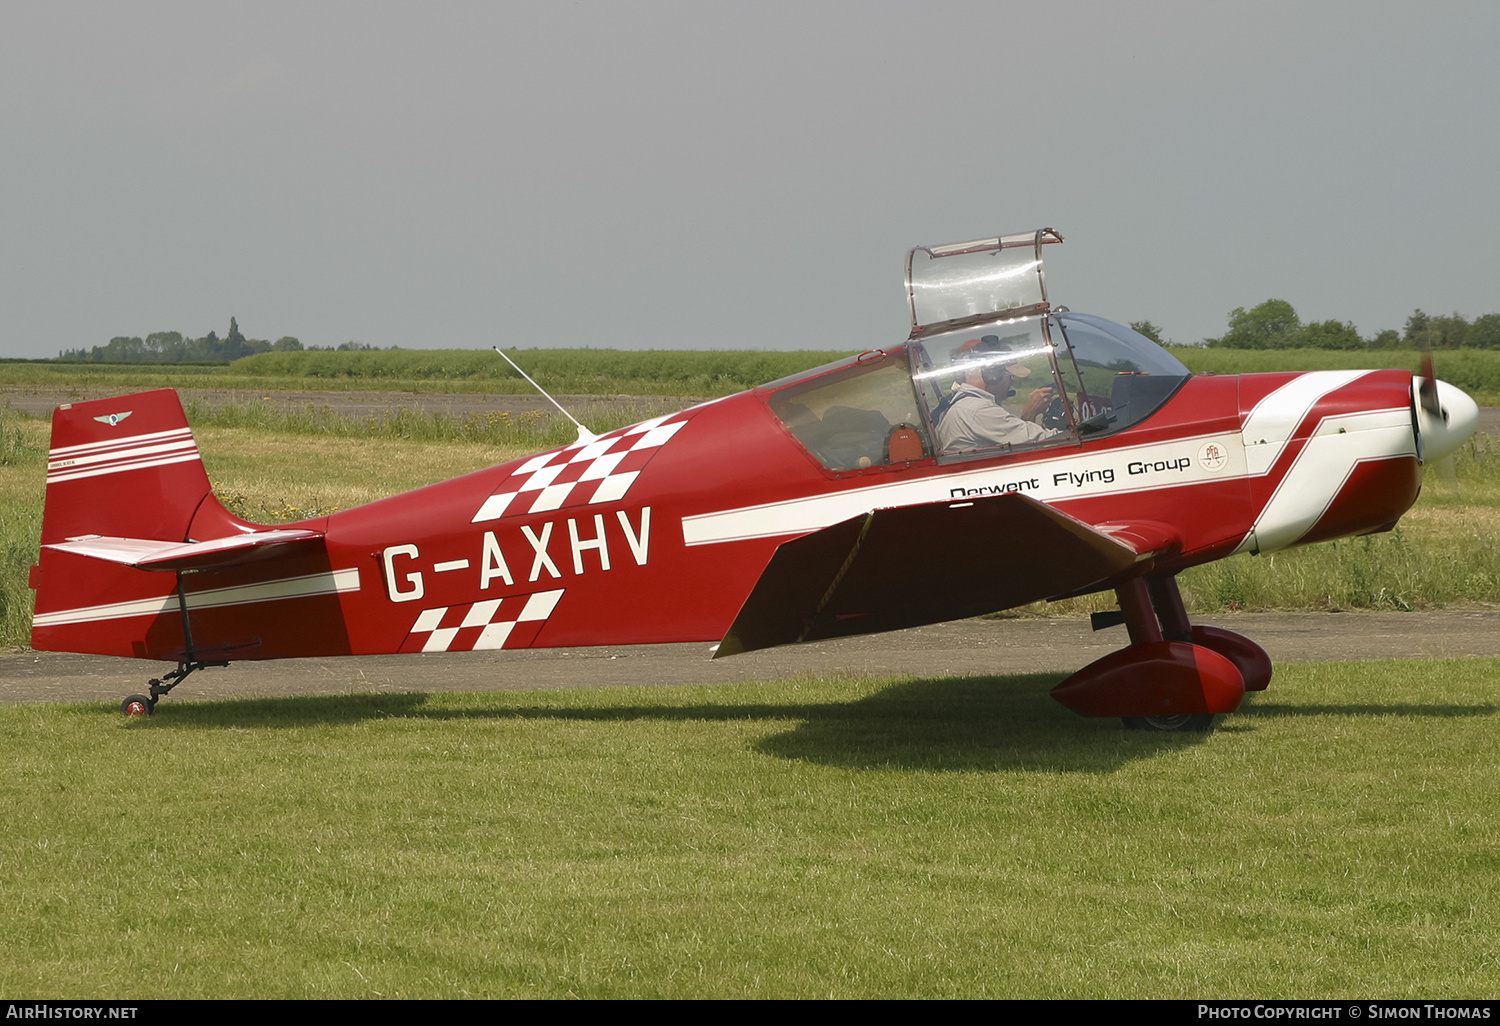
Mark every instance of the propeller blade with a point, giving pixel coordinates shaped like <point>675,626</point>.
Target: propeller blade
<point>1427,390</point>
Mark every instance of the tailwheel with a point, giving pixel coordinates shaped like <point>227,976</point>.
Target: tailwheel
<point>138,705</point>
<point>1188,723</point>
<point>141,705</point>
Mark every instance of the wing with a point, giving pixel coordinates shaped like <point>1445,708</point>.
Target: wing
<point>914,565</point>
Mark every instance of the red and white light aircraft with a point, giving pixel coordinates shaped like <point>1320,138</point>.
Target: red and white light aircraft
<point>830,503</point>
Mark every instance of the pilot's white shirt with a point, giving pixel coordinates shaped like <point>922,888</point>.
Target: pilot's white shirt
<point>975,420</point>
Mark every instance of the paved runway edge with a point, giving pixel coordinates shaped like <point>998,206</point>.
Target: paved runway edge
<point>965,648</point>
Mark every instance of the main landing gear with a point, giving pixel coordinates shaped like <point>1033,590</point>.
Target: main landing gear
<point>145,705</point>
<point>1173,676</point>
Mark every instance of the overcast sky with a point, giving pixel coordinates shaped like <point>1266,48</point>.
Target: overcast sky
<point>730,175</point>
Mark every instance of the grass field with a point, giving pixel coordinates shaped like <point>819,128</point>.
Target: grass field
<point>626,372</point>
<point>561,371</point>
<point>804,838</point>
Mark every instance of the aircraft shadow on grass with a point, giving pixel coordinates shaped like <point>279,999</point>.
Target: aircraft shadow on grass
<point>1271,710</point>
<point>961,724</point>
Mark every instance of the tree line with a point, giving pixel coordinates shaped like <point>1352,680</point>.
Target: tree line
<point>1274,324</point>
<point>175,347</point>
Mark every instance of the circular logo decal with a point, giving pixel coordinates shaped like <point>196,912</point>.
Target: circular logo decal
<point>1212,456</point>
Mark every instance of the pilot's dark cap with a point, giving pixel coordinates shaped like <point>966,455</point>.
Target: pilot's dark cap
<point>976,347</point>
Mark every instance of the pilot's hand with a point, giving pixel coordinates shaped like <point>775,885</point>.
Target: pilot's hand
<point>1036,403</point>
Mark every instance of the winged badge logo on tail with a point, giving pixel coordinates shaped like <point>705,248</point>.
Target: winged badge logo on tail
<point>113,419</point>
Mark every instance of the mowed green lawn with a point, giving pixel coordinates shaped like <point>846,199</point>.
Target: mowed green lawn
<point>804,838</point>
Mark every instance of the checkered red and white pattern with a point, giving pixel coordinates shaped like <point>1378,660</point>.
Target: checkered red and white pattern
<point>511,622</point>
<point>582,473</point>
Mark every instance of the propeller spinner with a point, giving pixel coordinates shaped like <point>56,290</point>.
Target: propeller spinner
<point>1446,416</point>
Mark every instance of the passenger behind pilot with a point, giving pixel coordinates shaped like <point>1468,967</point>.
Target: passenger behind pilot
<point>972,417</point>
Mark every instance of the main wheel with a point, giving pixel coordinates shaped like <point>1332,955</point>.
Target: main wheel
<point>138,705</point>
<point>1186,723</point>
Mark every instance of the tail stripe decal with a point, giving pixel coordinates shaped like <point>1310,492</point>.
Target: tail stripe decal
<point>63,451</point>
<point>333,582</point>
<point>79,461</point>
<point>121,467</point>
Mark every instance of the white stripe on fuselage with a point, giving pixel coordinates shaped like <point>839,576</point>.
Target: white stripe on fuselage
<point>1172,464</point>
<point>1274,420</point>
<point>330,583</point>
<point>1321,470</point>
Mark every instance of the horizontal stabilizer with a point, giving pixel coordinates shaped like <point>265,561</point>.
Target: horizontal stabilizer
<point>144,554</point>
<point>914,565</point>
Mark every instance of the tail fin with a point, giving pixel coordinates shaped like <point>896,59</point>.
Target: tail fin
<point>125,468</point>
<point>139,559</point>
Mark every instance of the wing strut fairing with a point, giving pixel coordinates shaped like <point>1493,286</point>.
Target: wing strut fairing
<point>913,565</point>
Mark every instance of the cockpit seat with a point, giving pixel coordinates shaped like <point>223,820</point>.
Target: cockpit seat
<point>854,437</point>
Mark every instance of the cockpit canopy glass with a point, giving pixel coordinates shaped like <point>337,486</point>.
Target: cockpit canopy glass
<point>991,386</point>
<point>989,367</point>
<point>1000,386</point>
<point>1115,377</point>
<point>856,414</point>
<point>961,282</point>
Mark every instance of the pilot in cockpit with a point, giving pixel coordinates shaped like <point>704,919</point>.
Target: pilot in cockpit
<point>971,416</point>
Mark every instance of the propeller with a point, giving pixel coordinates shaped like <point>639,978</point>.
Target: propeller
<point>1427,390</point>
<point>1446,417</point>
<point>1427,399</point>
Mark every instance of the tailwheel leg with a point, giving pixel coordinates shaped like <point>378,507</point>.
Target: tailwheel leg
<point>145,705</point>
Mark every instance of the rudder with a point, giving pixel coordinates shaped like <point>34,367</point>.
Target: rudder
<point>139,559</point>
<point>125,467</point>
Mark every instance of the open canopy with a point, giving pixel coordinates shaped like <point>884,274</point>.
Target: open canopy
<point>961,283</point>
<point>990,368</point>
<point>890,408</point>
